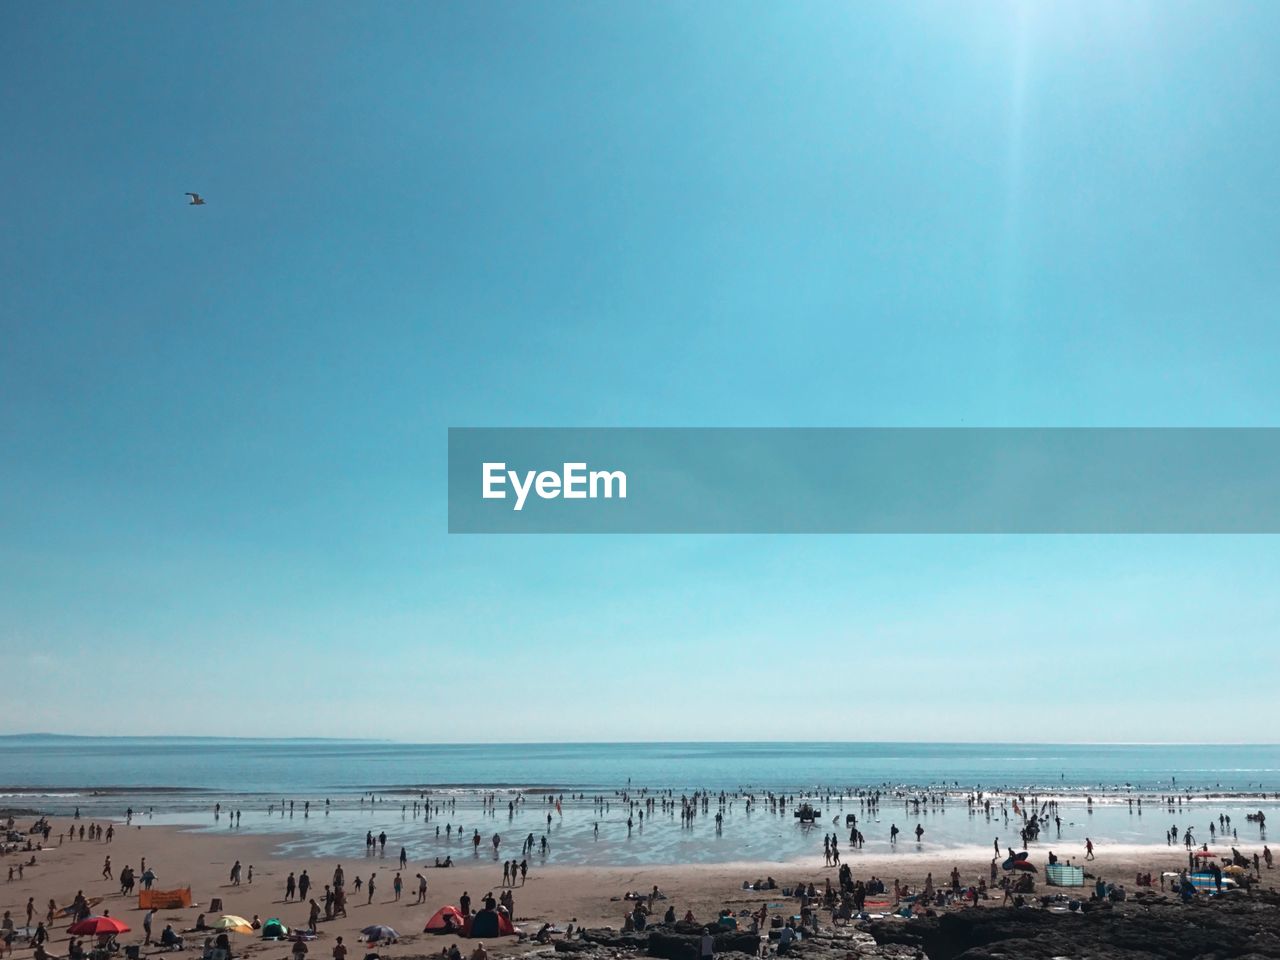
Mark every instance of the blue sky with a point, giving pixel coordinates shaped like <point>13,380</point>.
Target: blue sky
<point>222,500</point>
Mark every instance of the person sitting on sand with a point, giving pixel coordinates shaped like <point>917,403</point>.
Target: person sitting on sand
<point>479,953</point>
<point>169,938</point>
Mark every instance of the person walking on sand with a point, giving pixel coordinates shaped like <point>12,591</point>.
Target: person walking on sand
<point>106,869</point>
<point>370,887</point>
<point>396,885</point>
<point>235,874</point>
<point>290,884</point>
<point>146,926</point>
<point>1088,849</point>
<point>422,888</point>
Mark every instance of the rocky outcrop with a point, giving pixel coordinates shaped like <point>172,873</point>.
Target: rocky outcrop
<point>1150,929</point>
<point>683,942</point>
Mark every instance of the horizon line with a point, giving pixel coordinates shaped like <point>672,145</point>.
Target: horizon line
<point>571,743</point>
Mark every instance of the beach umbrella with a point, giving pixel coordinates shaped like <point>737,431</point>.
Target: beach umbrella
<point>229,921</point>
<point>379,931</point>
<point>98,927</point>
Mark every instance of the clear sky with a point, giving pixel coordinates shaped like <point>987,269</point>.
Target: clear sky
<point>222,428</point>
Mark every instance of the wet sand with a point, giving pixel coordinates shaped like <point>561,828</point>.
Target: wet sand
<point>559,894</point>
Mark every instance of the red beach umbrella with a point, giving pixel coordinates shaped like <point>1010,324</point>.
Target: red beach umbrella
<point>98,927</point>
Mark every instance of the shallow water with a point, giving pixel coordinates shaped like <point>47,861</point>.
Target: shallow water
<point>179,781</point>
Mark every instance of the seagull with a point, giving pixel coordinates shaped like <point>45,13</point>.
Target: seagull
<point>196,200</point>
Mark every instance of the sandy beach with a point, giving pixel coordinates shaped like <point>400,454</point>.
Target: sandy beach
<point>559,894</point>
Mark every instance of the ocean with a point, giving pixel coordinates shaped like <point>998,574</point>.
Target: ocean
<point>373,786</point>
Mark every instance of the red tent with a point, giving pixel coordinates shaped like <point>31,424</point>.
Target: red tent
<point>446,920</point>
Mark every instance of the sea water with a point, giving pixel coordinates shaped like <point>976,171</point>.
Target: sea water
<point>372,787</point>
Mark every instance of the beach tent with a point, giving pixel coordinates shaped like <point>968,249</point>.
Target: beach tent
<point>1204,883</point>
<point>490,923</point>
<point>446,920</point>
<point>1014,860</point>
<point>273,929</point>
<point>1061,875</point>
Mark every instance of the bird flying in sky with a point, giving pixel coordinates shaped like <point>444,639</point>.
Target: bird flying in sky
<point>196,199</point>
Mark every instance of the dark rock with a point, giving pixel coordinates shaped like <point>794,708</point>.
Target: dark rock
<point>1227,929</point>
<point>573,946</point>
<point>616,939</point>
<point>683,942</point>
